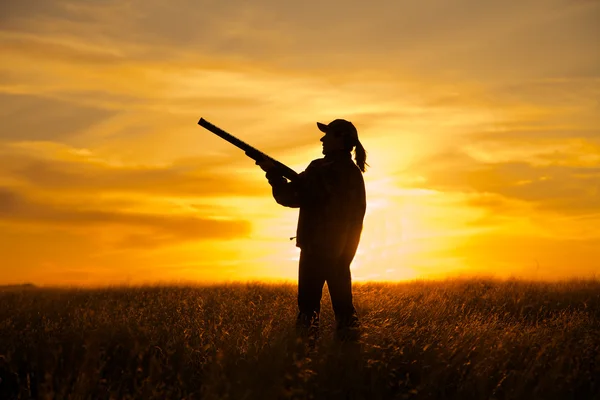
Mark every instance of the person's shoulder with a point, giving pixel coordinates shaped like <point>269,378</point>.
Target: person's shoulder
<point>313,167</point>
<point>350,167</point>
<point>353,172</point>
<point>318,162</point>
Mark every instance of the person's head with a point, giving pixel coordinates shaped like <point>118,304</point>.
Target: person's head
<point>341,136</point>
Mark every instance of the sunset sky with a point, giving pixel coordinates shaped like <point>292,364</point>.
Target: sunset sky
<point>481,120</point>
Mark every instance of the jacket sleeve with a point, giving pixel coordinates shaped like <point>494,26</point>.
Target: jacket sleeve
<point>301,191</point>
<point>285,193</point>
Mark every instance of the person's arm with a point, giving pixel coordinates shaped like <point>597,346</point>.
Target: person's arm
<point>308,189</point>
<point>285,193</point>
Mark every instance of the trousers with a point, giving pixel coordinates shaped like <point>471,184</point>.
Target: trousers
<point>314,270</point>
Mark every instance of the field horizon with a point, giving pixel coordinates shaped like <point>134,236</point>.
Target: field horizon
<point>182,283</point>
<point>463,338</point>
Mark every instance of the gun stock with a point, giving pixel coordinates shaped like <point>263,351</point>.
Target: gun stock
<point>250,151</point>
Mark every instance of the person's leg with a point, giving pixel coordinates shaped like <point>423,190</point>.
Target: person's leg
<point>339,282</point>
<point>310,288</point>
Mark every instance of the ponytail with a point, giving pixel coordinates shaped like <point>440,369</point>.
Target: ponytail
<point>360,156</point>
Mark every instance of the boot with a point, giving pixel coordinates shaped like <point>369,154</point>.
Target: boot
<point>348,327</point>
<point>308,324</point>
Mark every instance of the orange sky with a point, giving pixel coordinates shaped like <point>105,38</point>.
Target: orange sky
<point>481,121</point>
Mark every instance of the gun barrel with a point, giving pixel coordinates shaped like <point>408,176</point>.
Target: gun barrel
<point>250,151</point>
<point>224,135</point>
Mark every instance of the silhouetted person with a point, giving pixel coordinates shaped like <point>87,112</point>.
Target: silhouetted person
<point>331,196</point>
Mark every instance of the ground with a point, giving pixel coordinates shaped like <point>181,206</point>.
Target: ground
<point>455,339</point>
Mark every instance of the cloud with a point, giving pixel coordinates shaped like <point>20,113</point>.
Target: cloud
<point>490,41</point>
<point>57,49</point>
<point>79,172</point>
<point>9,201</point>
<point>159,229</point>
<point>523,134</point>
<point>496,205</point>
<point>28,118</point>
<point>21,10</point>
<point>558,188</point>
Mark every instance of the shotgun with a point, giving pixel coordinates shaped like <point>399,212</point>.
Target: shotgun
<point>250,151</point>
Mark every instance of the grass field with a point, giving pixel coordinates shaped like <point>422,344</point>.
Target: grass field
<point>477,339</point>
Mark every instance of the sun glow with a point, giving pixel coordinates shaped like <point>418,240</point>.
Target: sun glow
<point>386,237</point>
<point>405,228</point>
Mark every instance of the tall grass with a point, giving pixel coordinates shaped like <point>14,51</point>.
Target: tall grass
<point>457,339</point>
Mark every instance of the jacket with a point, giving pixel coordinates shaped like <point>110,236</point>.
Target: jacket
<point>330,194</point>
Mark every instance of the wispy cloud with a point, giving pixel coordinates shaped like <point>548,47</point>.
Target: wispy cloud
<point>82,173</point>
<point>14,207</point>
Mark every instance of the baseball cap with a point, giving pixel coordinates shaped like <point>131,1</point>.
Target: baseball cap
<point>340,126</point>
